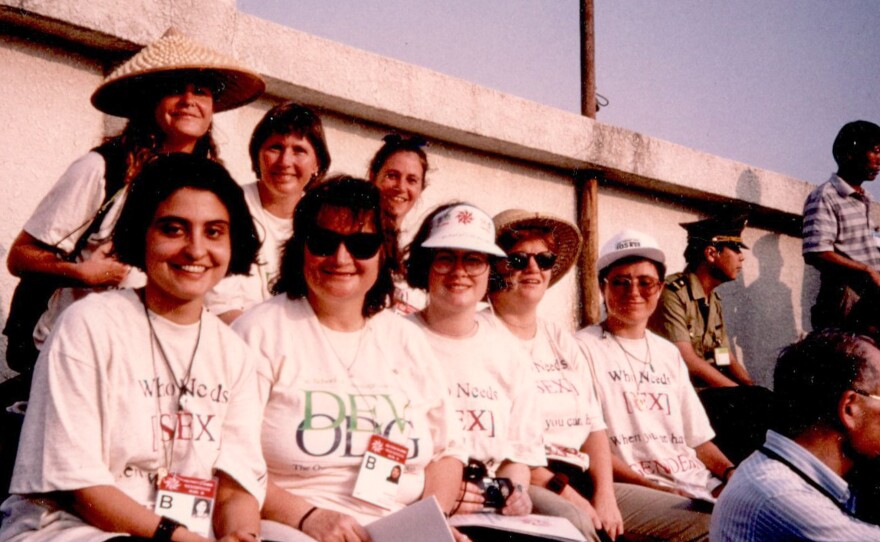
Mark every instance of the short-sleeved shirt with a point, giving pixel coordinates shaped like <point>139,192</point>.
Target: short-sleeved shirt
<point>241,292</point>
<point>62,216</point>
<point>321,411</point>
<point>687,314</point>
<point>493,392</point>
<point>837,219</point>
<point>104,411</point>
<point>768,500</point>
<point>655,419</point>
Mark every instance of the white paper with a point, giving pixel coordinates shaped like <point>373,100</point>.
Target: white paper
<point>417,522</point>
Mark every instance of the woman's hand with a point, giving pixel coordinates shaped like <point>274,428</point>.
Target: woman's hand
<point>472,499</point>
<point>518,503</point>
<point>330,526</point>
<point>608,515</point>
<point>459,536</point>
<point>101,268</point>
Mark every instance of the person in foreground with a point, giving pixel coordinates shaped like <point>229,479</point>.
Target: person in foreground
<point>138,387</point>
<point>288,151</point>
<point>659,432</point>
<point>793,488</point>
<point>339,370</point>
<point>540,250</point>
<point>489,375</point>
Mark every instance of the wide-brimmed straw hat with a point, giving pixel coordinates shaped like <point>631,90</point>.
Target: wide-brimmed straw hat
<point>174,58</point>
<point>568,237</point>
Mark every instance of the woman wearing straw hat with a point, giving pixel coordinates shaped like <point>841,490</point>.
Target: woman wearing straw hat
<point>169,91</point>
<point>540,250</point>
<point>288,151</point>
<point>489,376</point>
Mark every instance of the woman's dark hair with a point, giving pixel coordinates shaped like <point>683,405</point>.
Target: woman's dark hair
<point>661,268</point>
<point>417,259</point>
<point>142,138</point>
<point>291,118</point>
<point>361,198</point>
<point>157,181</point>
<point>395,143</point>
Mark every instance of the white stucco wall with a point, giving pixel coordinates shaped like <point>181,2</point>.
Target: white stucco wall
<point>495,150</point>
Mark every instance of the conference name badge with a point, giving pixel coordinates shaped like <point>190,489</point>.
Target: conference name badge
<point>380,472</point>
<point>722,357</point>
<point>187,500</point>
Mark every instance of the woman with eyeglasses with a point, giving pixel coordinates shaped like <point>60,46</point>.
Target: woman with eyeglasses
<point>489,377</point>
<point>288,151</point>
<point>339,371</point>
<point>660,435</point>
<point>540,250</point>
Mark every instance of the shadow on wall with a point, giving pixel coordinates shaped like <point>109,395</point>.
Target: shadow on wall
<point>767,300</point>
<point>5,371</point>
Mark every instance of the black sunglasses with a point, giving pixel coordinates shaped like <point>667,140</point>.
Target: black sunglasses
<point>362,246</point>
<point>520,260</point>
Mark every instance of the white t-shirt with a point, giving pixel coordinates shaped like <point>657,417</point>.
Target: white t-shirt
<point>493,393</point>
<point>566,394</point>
<point>62,216</point>
<point>321,410</point>
<point>241,292</point>
<point>654,417</point>
<point>103,411</point>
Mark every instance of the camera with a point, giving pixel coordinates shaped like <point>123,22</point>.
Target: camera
<point>495,490</point>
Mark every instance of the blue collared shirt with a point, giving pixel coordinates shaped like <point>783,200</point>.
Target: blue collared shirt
<point>767,501</point>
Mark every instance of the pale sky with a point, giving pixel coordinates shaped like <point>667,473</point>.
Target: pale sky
<point>765,82</point>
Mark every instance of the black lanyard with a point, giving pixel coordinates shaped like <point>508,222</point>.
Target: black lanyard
<point>776,457</point>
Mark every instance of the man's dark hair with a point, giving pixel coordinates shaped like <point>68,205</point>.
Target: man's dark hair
<point>813,373</point>
<point>855,139</point>
<point>157,181</point>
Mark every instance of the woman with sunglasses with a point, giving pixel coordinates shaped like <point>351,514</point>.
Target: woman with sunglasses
<point>288,151</point>
<point>138,389</point>
<point>489,376</point>
<point>540,250</point>
<point>660,435</point>
<point>339,370</point>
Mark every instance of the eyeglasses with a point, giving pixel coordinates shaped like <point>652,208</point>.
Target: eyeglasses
<point>520,260</point>
<point>647,286</point>
<point>473,263</point>
<point>863,393</point>
<point>361,246</point>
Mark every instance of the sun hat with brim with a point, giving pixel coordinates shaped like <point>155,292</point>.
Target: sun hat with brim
<point>629,243</point>
<point>463,227</point>
<point>174,58</point>
<point>567,236</point>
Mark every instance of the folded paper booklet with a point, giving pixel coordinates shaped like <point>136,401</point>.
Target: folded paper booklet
<point>547,527</point>
<point>417,522</point>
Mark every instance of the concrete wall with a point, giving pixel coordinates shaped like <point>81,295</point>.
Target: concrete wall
<point>495,150</point>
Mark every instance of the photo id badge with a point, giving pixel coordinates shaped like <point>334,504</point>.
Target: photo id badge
<point>722,357</point>
<point>380,472</point>
<point>187,500</point>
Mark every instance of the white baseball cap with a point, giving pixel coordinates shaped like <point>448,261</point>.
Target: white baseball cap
<point>464,227</point>
<point>629,243</point>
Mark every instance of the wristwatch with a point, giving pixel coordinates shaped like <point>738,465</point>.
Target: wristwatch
<point>557,483</point>
<point>166,528</point>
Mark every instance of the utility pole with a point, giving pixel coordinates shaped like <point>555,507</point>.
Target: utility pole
<point>587,182</point>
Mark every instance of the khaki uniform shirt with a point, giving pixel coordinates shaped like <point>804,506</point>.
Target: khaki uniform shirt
<point>686,314</point>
